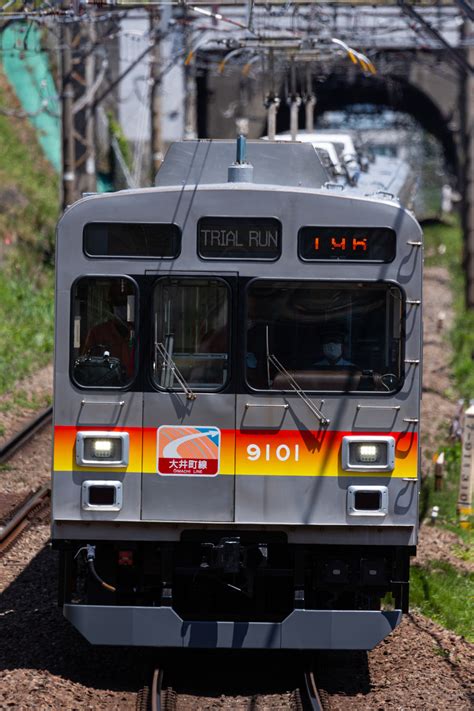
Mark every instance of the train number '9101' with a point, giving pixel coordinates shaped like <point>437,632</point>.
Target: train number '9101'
<point>282,452</point>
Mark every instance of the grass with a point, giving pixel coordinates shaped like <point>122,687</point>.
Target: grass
<point>447,498</point>
<point>26,320</point>
<point>21,399</point>
<point>440,592</point>
<point>28,212</point>
<point>29,197</point>
<point>444,248</point>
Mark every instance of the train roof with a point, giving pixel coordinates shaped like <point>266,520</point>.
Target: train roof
<point>204,162</point>
<point>341,140</point>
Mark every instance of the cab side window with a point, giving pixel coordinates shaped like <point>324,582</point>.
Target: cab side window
<point>103,332</point>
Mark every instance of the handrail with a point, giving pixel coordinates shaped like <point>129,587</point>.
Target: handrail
<point>298,390</point>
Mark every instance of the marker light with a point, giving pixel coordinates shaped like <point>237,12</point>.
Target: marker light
<point>367,452</point>
<point>101,495</point>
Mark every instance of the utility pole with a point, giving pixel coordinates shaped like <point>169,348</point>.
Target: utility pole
<point>467,168</point>
<point>90,169</point>
<point>156,138</point>
<point>190,114</point>
<point>67,99</point>
<point>272,101</point>
<point>294,101</point>
<point>310,101</point>
<point>78,134</point>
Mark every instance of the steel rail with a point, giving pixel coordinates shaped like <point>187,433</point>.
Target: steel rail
<point>157,698</point>
<point>25,434</point>
<point>309,693</point>
<point>156,690</point>
<point>20,520</point>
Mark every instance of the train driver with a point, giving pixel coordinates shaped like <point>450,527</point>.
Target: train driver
<point>332,342</point>
<point>115,335</point>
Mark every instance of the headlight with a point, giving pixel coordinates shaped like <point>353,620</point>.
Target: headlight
<point>102,449</point>
<point>368,453</point>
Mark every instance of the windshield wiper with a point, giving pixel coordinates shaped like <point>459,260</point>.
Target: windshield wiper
<point>173,369</point>
<point>299,391</point>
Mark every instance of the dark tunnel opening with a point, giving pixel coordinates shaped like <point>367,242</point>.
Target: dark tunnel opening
<point>397,94</point>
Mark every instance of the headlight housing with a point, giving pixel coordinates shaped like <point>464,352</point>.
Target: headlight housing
<point>102,449</point>
<point>375,453</point>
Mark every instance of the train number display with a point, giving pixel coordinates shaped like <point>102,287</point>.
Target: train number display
<point>376,244</point>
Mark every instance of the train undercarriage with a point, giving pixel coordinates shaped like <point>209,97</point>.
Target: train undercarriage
<point>218,578</point>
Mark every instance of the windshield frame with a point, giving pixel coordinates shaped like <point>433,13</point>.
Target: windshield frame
<point>331,281</point>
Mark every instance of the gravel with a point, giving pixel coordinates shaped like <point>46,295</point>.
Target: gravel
<point>439,403</point>
<point>26,471</point>
<point>436,543</point>
<point>44,662</point>
<point>23,400</point>
<point>421,666</point>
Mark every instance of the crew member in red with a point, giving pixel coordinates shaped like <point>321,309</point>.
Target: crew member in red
<point>116,335</point>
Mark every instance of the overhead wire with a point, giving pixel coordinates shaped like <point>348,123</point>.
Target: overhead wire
<point>365,27</point>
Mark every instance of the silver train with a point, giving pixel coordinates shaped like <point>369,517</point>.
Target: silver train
<point>236,409</point>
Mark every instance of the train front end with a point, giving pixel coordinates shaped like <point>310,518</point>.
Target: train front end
<point>237,389</point>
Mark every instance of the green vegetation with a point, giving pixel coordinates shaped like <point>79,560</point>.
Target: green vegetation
<point>447,499</point>
<point>26,321</point>
<point>28,213</point>
<point>438,589</point>
<point>444,247</point>
<point>447,596</point>
<point>28,188</point>
<point>116,131</point>
<point>25,400</point>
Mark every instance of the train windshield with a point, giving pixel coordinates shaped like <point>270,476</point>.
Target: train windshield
<point>191,333</point>
<point>104,325</point>
<point>325,336</point>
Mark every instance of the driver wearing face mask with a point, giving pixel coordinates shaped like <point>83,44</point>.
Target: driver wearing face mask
<point>333,350</point>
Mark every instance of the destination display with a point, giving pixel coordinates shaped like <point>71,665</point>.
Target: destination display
<point>374,244</point>
<point>117,239</point>
<point>239,238</point>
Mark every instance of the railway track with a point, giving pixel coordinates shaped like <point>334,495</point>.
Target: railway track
<point>158,697</point>
<point>24,435</point>
<point>35,506</point>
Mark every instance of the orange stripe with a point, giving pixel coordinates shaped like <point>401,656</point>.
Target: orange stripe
<point>281,453</point>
